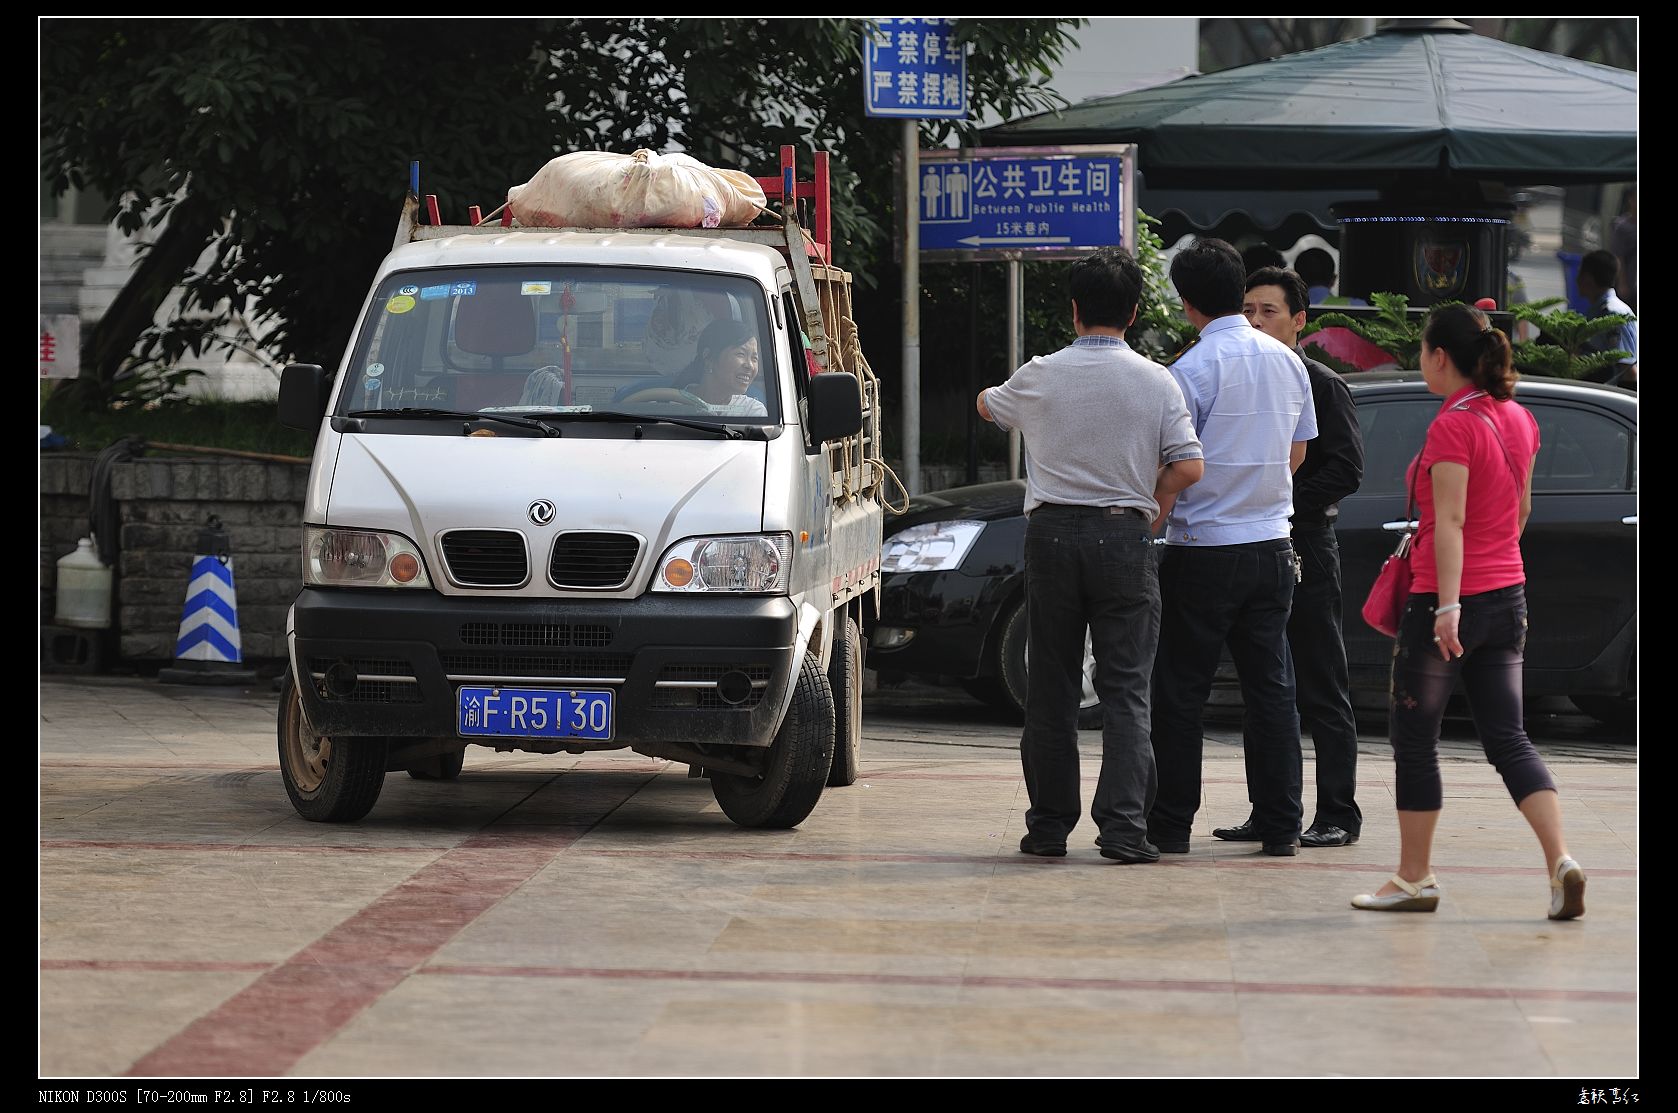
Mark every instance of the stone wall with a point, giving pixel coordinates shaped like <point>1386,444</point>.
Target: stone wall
<point>162,504</point>
<point>64,514</point>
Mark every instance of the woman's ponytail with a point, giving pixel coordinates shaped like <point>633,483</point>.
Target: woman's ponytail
<point>1480,352</point>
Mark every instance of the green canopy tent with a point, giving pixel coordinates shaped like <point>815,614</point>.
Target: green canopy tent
<point>1436,119</point>
<point>1414,101</point>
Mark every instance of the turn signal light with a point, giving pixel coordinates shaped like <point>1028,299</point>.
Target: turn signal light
<point>404,567</point>
<point>678,573</point>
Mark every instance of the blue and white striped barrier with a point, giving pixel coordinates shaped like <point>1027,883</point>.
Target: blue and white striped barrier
<point>207,650</point>
<point>210,618</point>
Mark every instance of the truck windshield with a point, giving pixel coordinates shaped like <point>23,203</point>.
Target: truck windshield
<point>547,339</point>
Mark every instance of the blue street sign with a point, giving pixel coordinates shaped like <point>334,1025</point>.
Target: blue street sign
<point>1049,203</point>
<point>913,69</point>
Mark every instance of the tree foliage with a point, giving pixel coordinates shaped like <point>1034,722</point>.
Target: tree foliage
<point>1393,329</point>
<point>1562,351</point>
<point>1160,331</point>
<point>271,155</point>
<point>1566,341</point>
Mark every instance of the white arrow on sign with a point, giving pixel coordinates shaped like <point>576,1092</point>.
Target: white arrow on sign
<point>975,241</point>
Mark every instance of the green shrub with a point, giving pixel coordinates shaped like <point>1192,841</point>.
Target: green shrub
<point>244,426</point>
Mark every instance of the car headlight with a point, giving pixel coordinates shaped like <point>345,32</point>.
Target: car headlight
<point>929,548</point>
<point>748,564</point>
<point>361,558</point>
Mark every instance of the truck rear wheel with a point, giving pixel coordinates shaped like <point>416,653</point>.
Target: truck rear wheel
<point>329,780</point>
<point>844,675</point>
<point>796,766</point>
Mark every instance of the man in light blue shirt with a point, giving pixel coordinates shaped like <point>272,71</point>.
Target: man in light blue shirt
<point>1595,280</point>
<point>1228,571</point>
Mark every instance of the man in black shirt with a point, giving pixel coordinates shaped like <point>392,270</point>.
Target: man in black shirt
<point>1275,303</point>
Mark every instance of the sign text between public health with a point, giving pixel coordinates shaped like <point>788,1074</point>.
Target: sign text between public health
<point>1058,203</point>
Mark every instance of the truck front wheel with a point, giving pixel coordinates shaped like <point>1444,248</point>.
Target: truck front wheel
<point>796,766</point>
<point>329,780</point>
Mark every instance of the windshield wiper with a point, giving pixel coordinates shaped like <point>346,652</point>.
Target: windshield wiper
<point>535,423</point>
<point>729,431</point>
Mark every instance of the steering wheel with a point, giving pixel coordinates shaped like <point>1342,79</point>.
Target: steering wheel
<point>660,394</point>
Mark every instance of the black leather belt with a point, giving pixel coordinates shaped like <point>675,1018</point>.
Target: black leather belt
<point>1107,511</point>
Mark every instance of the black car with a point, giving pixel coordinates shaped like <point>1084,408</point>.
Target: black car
<point>952,596</point>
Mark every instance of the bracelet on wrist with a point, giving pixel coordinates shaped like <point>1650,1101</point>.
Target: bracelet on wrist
<point>1447,608</point>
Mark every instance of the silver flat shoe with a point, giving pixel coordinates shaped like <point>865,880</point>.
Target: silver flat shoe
<point>1567,891</point>
<point>1420,896</point>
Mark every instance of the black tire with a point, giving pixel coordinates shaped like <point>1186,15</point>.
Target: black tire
<point>329,780</point>
<point>844,676</point>
<point>1011,670</point>
<point>1619,712</point>
<point>797,764</point>
<point>440,767</point>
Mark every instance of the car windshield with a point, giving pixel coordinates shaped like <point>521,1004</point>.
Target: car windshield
<point>558,340</point>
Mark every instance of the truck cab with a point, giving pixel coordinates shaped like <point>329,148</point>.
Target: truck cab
<point>588,489</point>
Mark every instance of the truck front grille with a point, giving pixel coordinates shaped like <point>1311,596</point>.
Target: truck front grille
<point>543,665</point>
<point>593,560</point>
<point>485,557</point>
<point>541,635</point>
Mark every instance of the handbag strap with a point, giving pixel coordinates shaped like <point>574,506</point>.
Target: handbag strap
<point>1410,503</point>
<point>1497,435</point>
<point>1463,404</point>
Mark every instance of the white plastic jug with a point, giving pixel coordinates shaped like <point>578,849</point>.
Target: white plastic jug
<point>84,588</point>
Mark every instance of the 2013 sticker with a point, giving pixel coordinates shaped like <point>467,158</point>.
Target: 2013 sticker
<point>432,293</point>
<point>401,303</point>
<point>463,289</point>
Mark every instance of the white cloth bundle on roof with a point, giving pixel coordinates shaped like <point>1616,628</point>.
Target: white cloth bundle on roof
<point>598,189</point>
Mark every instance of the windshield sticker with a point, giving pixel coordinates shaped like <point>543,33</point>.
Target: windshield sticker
<point>401,303</point>
<point>409,290</point>
<point>536,289</point>
<point>463,289</point>
<point>432,293</point>
<point>374,370</point>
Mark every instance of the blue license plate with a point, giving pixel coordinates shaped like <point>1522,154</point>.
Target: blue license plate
<point>535,713</point>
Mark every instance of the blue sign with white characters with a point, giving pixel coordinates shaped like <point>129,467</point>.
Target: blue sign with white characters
<point>914,70</point>
<point>1050,203</point>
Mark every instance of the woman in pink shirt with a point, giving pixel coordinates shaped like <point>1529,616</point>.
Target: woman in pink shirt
<point>1467,615</point>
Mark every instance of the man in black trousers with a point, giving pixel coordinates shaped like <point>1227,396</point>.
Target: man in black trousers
<point>1275,303</point>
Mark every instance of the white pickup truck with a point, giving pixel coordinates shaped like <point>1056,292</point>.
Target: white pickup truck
<point>583,489</point>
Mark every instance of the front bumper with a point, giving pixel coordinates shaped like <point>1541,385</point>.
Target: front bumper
<point>951,616</point>
<point>390,663</point>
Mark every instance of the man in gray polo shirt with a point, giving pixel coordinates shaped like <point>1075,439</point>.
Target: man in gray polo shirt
<point>1108,439</point>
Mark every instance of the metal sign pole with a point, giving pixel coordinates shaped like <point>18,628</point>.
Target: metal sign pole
<point>1016,300</point>
<point>911,309</point>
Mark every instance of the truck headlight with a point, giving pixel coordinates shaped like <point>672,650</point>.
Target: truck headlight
<point>361,558</point>
<point>932,547</point>
<point>749,564</point>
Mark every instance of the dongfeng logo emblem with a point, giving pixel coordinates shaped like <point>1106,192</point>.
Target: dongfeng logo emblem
<point>541,512</point>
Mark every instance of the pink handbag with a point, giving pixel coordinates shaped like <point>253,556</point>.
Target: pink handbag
<point>1391,590</point>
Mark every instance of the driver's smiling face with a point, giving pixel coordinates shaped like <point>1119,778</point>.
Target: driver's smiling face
<point>736,368</point>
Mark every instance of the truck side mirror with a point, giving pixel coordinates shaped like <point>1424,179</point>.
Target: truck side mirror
<point>304,390</point>
<point>835,406</point>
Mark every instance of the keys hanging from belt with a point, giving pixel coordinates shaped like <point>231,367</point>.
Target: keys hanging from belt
<point>1298,568</point>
